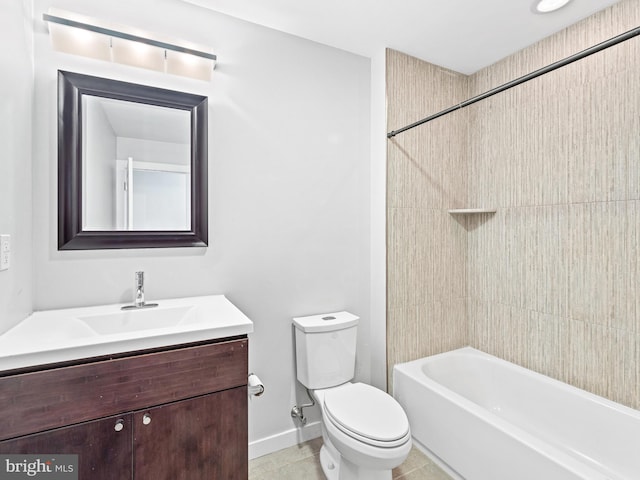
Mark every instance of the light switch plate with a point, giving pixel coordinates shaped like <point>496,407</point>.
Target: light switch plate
<point>5,260</point>
<point>5,252</point>
<point>5,243</point>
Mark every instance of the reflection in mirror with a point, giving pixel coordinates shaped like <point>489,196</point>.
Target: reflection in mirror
<point>136,166</point>
<point>132,165</point>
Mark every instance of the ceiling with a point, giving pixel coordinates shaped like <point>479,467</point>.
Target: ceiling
<point>145,122</point>
<point>463,35</point>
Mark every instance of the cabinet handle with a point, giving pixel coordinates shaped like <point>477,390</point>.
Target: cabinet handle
<point>119,425</point>
<point>146,419</point>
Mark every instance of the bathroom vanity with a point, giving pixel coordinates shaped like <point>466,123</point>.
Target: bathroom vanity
<point>172,411</point>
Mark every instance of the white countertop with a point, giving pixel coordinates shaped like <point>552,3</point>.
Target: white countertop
<point>75,333</point>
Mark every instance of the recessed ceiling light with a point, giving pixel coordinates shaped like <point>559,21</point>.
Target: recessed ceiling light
<point>546,6</point>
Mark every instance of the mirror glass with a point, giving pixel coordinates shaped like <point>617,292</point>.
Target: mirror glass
<point>136,166</point>
<point>132,165</point>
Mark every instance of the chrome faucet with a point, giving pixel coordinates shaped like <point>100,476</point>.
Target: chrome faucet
<point>139,288</point>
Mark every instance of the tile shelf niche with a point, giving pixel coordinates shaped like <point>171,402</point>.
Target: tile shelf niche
<point>467,211</point>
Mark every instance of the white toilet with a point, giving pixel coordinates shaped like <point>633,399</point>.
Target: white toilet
<point>365,431</point>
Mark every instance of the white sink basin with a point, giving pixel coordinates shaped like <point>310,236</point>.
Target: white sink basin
<point>71,334</point>
<point>135,320</point>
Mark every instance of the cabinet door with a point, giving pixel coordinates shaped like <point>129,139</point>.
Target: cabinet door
<point>203,438</point>
<point>103,449</point>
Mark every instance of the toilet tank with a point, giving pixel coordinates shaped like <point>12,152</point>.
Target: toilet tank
<point>326,349</point>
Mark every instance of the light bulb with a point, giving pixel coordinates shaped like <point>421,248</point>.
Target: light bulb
<point>546,6</point>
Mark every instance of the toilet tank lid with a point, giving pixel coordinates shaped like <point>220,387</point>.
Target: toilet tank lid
<point>326,322</point>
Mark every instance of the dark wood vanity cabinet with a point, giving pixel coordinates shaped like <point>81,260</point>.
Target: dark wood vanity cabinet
<point>174,414</point>
<point>207,431</point>
<point>103,453</point>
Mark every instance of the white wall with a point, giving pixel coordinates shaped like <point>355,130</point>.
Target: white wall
<point>99,172</point>
<point>289,196</point>
<point>16,92</point>
<point>378,235</point>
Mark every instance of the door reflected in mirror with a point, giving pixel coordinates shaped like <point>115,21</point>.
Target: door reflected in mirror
<point>136,167</point>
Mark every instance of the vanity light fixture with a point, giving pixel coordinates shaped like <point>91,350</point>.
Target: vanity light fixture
<point>548,6</point>
<point>79,35</point>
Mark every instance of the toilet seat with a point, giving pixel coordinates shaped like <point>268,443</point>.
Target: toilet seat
<point>367,414</point>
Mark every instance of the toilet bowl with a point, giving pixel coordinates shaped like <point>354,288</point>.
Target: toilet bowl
<point>365,431</point>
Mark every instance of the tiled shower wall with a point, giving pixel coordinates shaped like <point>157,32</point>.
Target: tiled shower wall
<point>553,277</point>
<point>426,175</point>
<point>551,280</point>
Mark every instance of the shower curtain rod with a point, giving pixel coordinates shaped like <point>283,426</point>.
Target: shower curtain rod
<point>525,78</point>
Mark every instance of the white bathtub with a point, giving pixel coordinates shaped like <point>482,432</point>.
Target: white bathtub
<point>488,419</point>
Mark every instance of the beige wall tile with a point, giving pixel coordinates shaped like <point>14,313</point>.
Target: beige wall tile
<point>632,152</point>
<point>600,265</point>
<point>402,338</point>
<point>632,301</point>
<point>548,289</point>
<point>622,382</point>
<point>421,163</point>
<point>601,111</point>
<point>546,353</point>
<point>416,89</point>
<point>442,326</point>
<point>404,175</point>
<point>441,256</point>
<point>636,401</point>
<point>401,257</point>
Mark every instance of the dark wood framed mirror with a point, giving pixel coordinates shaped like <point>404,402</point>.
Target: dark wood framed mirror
<point>132,165</point>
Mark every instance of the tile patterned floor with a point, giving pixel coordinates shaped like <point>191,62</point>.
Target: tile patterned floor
<point>303,462</point>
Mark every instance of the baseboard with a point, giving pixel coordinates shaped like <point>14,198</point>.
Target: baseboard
<point>286,439</point>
